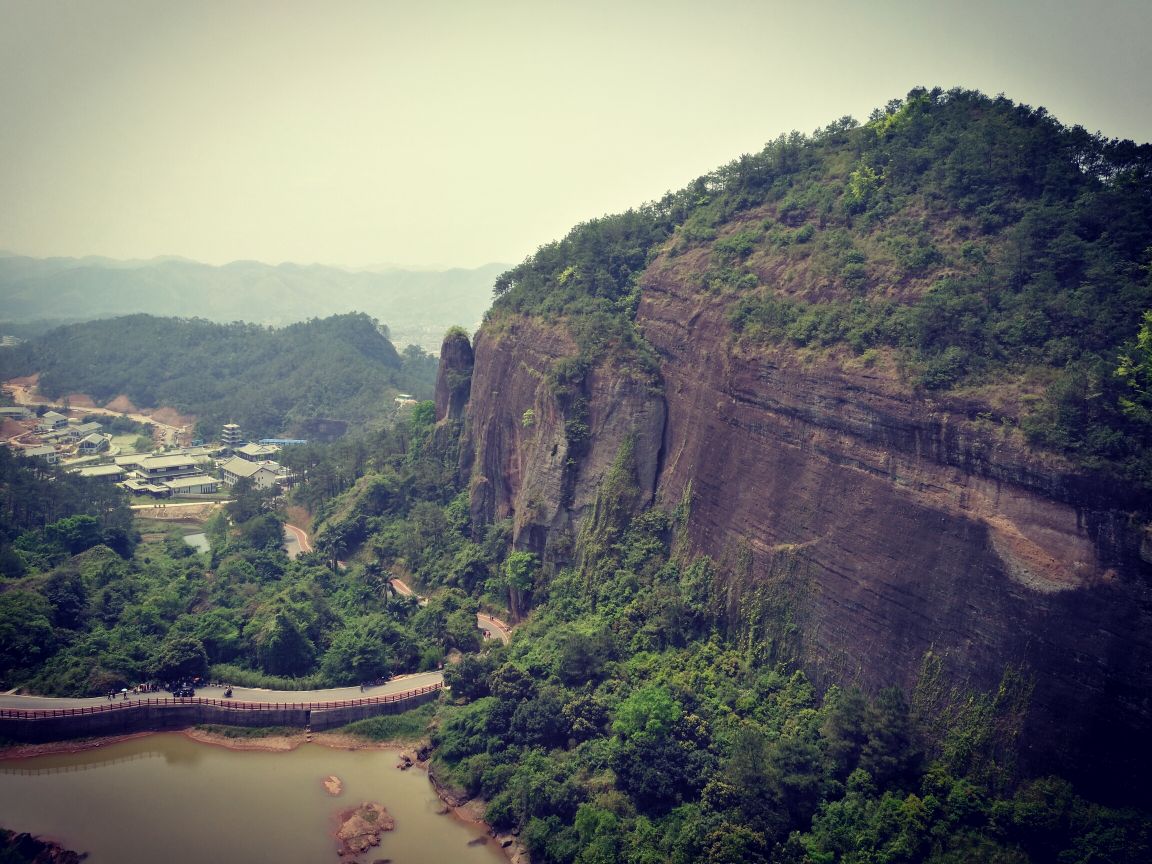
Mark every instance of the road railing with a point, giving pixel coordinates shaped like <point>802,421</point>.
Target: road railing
<point>230,704</point>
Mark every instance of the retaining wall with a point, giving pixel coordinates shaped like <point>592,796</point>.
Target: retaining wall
<point>153,715</point>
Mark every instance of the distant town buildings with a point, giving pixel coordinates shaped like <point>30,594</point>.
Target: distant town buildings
<point>45,452</point>
<point>111,473</point>
<point>189,472</point>
<point>256,452</point>
<point>51,420</point>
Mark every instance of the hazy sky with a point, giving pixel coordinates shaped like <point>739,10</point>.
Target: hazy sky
<point>441,133</point>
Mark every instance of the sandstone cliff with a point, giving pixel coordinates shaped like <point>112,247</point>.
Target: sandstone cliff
<point>873,527</point>
<point>849,334</point>
<point>454,376</point>
<point>541,436</point>
<point>891,527</point>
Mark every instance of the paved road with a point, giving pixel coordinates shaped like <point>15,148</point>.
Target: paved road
<point>296,541</point>
<point>241,694</point>
<point>495,626</point>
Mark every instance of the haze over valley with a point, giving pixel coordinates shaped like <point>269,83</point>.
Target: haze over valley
<point>417,306</point>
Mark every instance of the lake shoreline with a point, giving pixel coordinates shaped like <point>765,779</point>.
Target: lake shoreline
<point>470,812</point>
<point>269,743</point>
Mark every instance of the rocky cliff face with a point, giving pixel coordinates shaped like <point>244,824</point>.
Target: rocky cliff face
<point>891,528</point>
<point>454,376</point>
<point>874,528</point>
<point>537,444</point>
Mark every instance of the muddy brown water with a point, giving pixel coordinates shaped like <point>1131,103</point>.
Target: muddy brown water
<point>167,798</point>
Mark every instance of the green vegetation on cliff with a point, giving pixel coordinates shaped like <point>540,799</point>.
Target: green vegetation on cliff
<point>265,379</point>
<point>632,720</point>
<point>993,254</point>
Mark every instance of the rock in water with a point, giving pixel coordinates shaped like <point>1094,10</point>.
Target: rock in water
<point>361,827</point>
<point>333,785</point>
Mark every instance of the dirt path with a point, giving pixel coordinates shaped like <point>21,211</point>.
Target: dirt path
<point>168,422</point>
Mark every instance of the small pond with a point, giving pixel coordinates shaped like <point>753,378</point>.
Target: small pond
<point>199,542</point>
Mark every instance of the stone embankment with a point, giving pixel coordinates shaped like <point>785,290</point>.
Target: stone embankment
<point>154,715</point>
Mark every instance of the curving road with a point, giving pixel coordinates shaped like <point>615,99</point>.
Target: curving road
<point>239,694</point>
<point>297,541</point>
<point>29,397</point>
<point>494,626</point>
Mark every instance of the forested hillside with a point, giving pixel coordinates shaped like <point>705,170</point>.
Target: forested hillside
<point>974,247</point>
<point>267,380</point>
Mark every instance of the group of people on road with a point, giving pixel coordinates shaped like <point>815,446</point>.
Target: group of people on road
<point>124,692</point>
<point>184,687</point>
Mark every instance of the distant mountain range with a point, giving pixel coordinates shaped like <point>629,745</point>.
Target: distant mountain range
<point>416,305</point>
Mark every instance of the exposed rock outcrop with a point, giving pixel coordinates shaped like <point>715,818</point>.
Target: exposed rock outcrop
<point>361,827</point>
<point>541,435</point>
<point>454,376</point>
<point>890,527</point>
<point>450,794</point>
<point>882,526</point>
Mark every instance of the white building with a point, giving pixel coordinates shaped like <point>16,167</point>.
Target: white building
<point>231,436</point>
<point>264,475</point>
<point>257,452</point>
<point>154,468</point>
<point>51,420</point>
<point>94,443</point>
<point>199,484</point>
<point>112,473</point>
<point>46,452</point>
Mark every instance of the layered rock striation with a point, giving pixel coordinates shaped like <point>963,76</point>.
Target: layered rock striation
<point>894,529</point>
<point>876,529</point>
<point>543,431</point>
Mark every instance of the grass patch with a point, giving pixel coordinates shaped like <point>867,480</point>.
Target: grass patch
<point>241,732</point>
<point>408,726</point>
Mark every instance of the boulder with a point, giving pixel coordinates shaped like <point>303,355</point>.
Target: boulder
<point>361,827</point>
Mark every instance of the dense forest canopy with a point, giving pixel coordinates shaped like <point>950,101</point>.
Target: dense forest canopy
<point>263,378</point>
<point>50,514</point>
<point>979,246</point>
